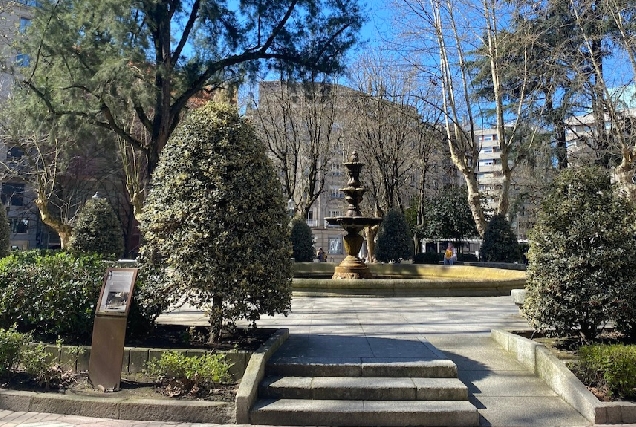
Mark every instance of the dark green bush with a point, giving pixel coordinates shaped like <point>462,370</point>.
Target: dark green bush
<point>611,366</point>
<point>53,294</point>
<point>427,258</point>
<point>467,257</point>
<point>148,302</point>
<point>581,271</point>
<point>50,294</point>
<point>500,242</point>
<point>302,241</point>
<point>97,230</point>
<point>394,238</point>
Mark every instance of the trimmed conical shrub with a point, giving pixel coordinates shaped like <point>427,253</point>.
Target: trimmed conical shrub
<point>394,238</point>
<point>97,230</point>
<point>215,222</point>
<point>500,242</point>
<point>302,240</point>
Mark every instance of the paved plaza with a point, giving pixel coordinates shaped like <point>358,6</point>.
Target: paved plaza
<point>505,393</point>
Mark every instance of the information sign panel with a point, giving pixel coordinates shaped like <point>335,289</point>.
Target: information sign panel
<point>115,297</point>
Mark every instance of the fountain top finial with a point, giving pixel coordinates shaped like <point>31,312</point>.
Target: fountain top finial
<point>354,157</point>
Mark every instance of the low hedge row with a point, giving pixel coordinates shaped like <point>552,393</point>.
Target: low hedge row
<point>53,295</point>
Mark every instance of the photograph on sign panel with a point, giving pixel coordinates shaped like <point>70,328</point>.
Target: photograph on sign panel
<point>116,301</point>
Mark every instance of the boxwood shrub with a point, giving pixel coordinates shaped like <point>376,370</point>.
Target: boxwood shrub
<point>609,366</point>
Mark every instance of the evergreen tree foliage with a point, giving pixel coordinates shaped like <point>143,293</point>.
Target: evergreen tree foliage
<point>302,240</point>
<point>97,230</point>
<point>448,216</point>
<point>215,222</point>
<point>581,271</point>
<point>98,52</point>
<point>5,237</point>
<point>394,238</point>
<point>500,242</point>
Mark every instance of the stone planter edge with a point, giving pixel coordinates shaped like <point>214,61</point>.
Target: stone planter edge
<point>537,358</point>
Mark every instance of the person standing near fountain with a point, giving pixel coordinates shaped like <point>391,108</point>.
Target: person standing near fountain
<point>450,255</point>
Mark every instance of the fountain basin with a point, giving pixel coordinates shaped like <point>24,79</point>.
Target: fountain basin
<point>409,280</point>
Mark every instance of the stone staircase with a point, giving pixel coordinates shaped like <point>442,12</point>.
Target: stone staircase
<point>421,393</point>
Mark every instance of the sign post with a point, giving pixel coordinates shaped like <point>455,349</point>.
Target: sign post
<point>109,330</point>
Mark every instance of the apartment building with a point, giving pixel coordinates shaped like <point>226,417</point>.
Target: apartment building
<point>27,229</point>
<point>490,177</point>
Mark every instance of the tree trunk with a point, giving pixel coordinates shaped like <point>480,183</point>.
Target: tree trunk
<point>474,201</point>
<point>624,173</point>
<point>62,230</point>
<point>216,319</point>
<point>504,195</point>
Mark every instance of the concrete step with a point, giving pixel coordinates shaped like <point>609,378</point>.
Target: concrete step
<point>420,368</point>
<point>363,388</point>
<point>297,412</point>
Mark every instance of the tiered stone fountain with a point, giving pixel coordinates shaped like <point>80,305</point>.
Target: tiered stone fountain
<point>353,222</point>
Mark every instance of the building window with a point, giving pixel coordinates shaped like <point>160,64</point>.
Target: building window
<point>12,194</point>
<point>14,153</point>
<point>336,193</point>
<point>488,162</point>
<point>19,225</point>
<point>24,24</point>
<point>335,245</point>
<point>22,60</point>
<point>485,175</point>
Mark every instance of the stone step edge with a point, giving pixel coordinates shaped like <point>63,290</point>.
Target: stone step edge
<point>363,388</point>
<point>425,369</point>
<point>364,413</point>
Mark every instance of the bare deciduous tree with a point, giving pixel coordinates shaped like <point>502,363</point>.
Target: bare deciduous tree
<point>297,121</point>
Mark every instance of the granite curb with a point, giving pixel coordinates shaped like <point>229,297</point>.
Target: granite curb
<point>557,376</point>
<point>254,373</point>
<point>180,411</point>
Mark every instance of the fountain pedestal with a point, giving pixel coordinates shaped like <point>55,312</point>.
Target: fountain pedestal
<point>353,222</point>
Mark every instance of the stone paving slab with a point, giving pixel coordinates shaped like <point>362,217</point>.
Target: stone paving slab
<point>459,327</point>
